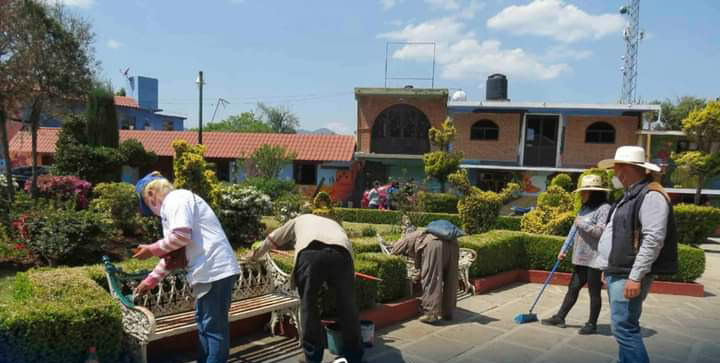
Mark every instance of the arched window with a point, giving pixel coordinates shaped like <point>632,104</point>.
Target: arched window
<point>400,129</point>
<point>600,133</point>
<point>484,130</point>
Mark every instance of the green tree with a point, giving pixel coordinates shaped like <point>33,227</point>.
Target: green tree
<point>48,53</point>
<point>441,163</point>
<point>121,92</point>
<point>269,160</point>
<point>73,155</point>
<point>101,116</point>
<point>674,113</point>
<point>702,126</point>
<point>279,118</point>
<point>245,122</point>
<point>135,154</point>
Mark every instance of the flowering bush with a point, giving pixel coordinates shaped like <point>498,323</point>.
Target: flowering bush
<point>57,236</point>
<point>240,209</point>
<point>63,188</point>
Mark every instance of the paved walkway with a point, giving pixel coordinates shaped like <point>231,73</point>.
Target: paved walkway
<point>676,329</point>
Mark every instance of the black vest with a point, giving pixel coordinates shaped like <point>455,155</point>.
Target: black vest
<point>627,235</point>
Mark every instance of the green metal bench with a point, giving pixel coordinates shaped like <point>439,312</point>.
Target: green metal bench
<point>169,309</point>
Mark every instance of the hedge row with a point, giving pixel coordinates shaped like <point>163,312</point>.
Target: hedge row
<point>376,216</point>
<point>500,251</point>
<point>56,315</point>
<point>695,223</point>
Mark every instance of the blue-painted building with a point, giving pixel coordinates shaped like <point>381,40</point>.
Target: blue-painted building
<point>138,111</point>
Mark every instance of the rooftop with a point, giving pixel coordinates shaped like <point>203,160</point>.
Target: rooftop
<point>226,145</point>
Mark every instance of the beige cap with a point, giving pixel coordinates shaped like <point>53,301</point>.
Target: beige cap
<point>591,182</point>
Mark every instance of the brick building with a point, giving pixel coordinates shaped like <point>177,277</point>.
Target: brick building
<point>501,139</point>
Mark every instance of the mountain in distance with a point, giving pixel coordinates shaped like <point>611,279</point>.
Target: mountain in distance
<point>322,131</point>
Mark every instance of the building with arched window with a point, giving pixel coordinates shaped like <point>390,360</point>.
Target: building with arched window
<point>500,139</point>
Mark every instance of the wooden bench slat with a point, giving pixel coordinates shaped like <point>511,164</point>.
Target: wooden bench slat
<point>184,322</point>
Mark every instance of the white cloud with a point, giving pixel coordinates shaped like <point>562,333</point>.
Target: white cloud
<point>557,20</point>
<point>460,55</point>
<point>78,3</point>
<point>338,127</point>
<point>388,4</point>
<point>114,44</point>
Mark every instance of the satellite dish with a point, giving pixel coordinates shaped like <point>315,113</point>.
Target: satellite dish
<point>458,96</point>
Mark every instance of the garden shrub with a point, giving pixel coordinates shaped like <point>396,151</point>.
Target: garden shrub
<point>118,201</point>
<point>368,231</point>
<point>369,246</point>
<point>554,213</point>
<point>193,173</point>
<point>63,189</point>
<point>393,271</point>
<point>542,251</point>
<point>55,316</point>
<point>375,216</point>
<point>58,236</point>
<point>438,202</point>
<point>240,210</point>
<point>691,264</point>
<point>478,209</point>
<point>695,223</point>
<point>564,181</point>
<point>510,192</point>
<point>498,251</point>
<point>149,228</point>
<point>275,188</point>
<point>508,223</point>
<point>287,207</point>
<point>323,206</point>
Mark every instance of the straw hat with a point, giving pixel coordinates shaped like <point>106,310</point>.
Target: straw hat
<point>592,182</point>
<point>633,155</point>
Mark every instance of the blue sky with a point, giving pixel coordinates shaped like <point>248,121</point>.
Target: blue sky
<point>309,55</point>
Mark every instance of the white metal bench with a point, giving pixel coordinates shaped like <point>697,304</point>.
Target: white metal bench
<point>169,309</point>
<point>466,258</point>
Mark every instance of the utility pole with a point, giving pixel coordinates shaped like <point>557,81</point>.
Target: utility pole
<point>200,84</point>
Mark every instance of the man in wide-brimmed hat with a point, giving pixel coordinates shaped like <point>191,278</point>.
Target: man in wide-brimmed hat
<point>639,242</point>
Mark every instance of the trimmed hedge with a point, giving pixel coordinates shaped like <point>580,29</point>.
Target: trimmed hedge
<point>438,202</point>
<point>55,316</point>
<point>376,216</point>
<point>508,223</point>
<point>393,271</point>
<point>695,223</point>
<point>500,251</point>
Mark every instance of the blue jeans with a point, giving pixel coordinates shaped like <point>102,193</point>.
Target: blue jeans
<point>211,313</point>
<point>625,318</point>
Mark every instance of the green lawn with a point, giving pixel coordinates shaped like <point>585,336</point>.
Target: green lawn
<point>7,279</point>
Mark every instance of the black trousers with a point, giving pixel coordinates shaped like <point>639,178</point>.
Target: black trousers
<point>580,276</point>
<point>319,264</point>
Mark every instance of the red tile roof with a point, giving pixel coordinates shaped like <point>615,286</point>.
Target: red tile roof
<point>226,145</point>
<point>126,102</point>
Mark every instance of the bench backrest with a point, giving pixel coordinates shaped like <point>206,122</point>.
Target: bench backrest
<point>174,294</point>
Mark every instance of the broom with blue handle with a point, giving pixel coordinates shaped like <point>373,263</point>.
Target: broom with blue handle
<point>530,316</point>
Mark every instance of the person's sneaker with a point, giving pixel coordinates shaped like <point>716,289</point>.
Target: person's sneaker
<point>429,319</point>
<point>554,320</point>
<point>589,328</point>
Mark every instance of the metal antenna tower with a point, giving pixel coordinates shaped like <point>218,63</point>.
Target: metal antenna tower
<point>633,35</point>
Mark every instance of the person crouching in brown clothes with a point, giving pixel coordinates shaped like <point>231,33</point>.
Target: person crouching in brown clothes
<point>437,260</point>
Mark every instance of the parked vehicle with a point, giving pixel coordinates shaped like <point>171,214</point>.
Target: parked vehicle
<point>21,174</point>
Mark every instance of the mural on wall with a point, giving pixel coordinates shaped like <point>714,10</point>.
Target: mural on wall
<point>529,183</point>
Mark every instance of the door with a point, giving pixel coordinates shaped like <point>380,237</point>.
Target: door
<point>541,134</point>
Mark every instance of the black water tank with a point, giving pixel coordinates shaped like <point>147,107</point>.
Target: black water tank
<point>496,88</point>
